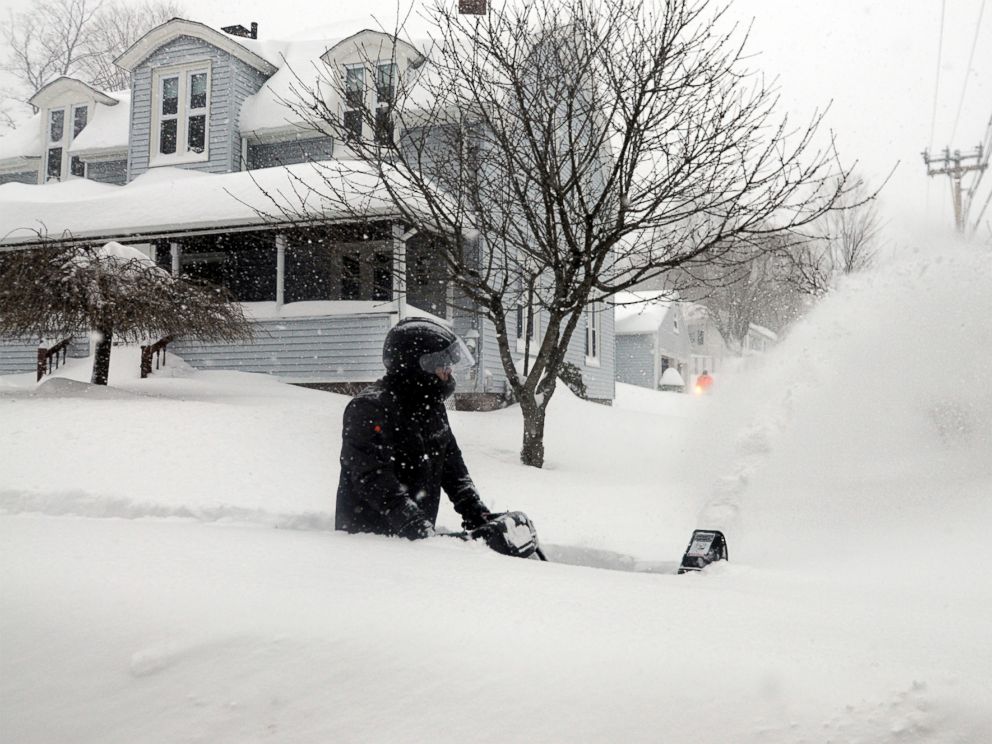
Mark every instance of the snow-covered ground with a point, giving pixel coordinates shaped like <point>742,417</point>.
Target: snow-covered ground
<point>168,571</point>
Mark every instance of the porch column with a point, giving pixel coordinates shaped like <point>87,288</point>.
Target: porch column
<point>177,253</point>
<point>280,269</point>
<point>399,272</point>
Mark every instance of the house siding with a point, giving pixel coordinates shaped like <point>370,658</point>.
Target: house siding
<point>286,153</point>
<point>337,348</point>
<point>17,357</point>
<point>231,82</point>
<point>600,380</point>
<point>110,171</point>
<point>20,177</point>
<point>635,360</point>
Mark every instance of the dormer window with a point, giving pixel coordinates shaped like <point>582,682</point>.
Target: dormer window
<point>354,99</point>
<point>58,163</point>
<point>181,108</point>
<point>357,103</point>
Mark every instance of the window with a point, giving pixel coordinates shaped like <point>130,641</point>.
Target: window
<point>382,276</point>
<point>353,123</point>
<point>79,116</point>
<point>593,333</point>
<point>383,127</point>
<point>181,111</point>
<point>354,86</point>
<point>351,276</point>
<point>675,325</point>
<point>58,163</point>
<point>385,83</point>
<point>527,327</point>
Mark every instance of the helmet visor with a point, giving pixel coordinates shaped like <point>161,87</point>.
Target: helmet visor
<point>455,358</point>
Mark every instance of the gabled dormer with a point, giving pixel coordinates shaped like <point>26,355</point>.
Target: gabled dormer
<point>370,65</point>
<point>189,82</point>
<point>66,106</point>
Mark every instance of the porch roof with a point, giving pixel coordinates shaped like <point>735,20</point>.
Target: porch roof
<point>170,202</point>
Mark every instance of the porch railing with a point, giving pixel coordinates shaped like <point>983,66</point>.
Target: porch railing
<point>157,350</point>
<point>51,358</point>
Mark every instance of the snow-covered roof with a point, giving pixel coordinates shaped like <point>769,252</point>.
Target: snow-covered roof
<point>641,312</point>
<point>108,128</point>
<point>18,145</point>
<point>173,201</point>
<point>63,87</point>
<point>762,331</point>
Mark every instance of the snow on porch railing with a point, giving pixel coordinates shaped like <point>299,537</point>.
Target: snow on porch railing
<point>157,350</point>
<point>48,356</point>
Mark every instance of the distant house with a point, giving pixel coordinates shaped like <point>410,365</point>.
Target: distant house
<point>184,164</point>
<point>710,352</point>
<point>651,337</point>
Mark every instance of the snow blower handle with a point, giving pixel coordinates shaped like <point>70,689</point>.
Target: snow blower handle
<point>509,533</point>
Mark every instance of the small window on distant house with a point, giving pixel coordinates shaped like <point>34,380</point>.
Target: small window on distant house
<point>675,325</point>
<point>181,115</point>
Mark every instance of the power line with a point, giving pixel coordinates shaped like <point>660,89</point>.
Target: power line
<point>967,72</point>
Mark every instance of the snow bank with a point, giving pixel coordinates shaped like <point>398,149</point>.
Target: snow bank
<point>152,593</point>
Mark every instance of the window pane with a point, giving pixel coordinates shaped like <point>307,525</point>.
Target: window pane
<point>353,123</point>
<point>167,137</point>
<point>77,167</point>
<point>170,95</point>
<point>54,169</point>
<point>351,271</point>
<point>79,116</point>
<point>56,125</point>
<point>354,86</point>
<point>383,127</point>
<point>196,135</point>
<point>198,90</point>
<point>382,277</point>
<point>384,83</point>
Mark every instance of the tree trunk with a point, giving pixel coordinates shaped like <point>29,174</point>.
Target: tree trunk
<point>532,452</point>
<point>101,358</point>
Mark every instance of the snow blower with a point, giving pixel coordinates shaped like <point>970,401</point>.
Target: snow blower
<point>509,533</point>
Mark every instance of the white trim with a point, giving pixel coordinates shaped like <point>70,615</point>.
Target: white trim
<point>173,29</point>
<point>69,134</point>
<point>183,73</point>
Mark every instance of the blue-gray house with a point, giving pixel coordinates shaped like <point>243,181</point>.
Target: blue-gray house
<point>191,166</point>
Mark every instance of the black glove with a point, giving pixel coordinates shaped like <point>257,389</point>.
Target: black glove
<point>417,529</point>
<point>407,520</point>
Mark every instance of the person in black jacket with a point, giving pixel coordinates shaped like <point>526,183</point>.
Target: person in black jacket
<point>397,448</point>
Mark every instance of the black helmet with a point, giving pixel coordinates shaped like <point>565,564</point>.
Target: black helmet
<point>421,345</point>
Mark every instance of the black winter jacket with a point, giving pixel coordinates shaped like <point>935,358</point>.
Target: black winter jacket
<point>397,453</point>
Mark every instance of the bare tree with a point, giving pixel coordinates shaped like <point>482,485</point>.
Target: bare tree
<point>844,241</point>
<point>77,38</point>
<point>60,290</point>
<point>564,152</point>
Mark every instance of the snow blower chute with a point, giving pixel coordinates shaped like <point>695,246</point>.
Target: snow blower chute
<point>705,547</point>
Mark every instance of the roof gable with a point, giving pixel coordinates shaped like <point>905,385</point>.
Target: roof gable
<point>69,90</point>
<point>173,29</point>
<point>367,42</point>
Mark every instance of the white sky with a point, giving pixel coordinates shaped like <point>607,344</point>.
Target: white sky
<point>875,61</point>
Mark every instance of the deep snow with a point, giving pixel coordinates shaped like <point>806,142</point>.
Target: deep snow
<point>168,573</point>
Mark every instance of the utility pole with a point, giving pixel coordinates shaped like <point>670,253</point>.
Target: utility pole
<point>955,165</point>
